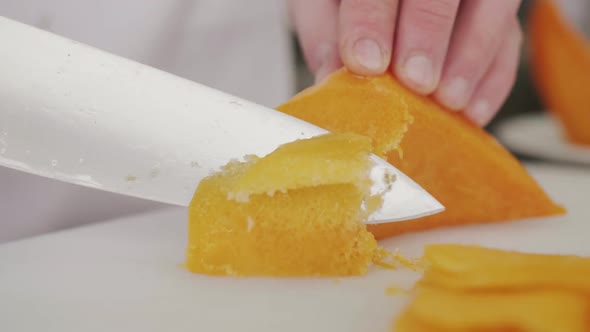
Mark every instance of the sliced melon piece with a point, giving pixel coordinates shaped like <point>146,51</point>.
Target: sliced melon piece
<point>476,268</point>
<point>461,165</point>
<point>310,224</point>
<point>538,311</point>
<point>560,64</point>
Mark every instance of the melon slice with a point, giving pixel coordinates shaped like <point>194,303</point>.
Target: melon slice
<point>462,166</point>
<point>372,107</point>
<point>471,288</point>
<point>474,268</point>
<point>295,212</point>
<point>438,310</point>
<point>560,64</point>
<point>327,159</point>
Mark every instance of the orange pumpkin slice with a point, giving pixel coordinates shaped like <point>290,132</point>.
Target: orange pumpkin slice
<point>473,268</point>
<point>304,220</point>
<point>473,176</point>
<point>471,288</point>
<point>538,311</point>
<point>324,160</point>
<point>348,103</point>
<point>560,63</point>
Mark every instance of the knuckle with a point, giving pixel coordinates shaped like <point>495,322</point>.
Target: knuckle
<point>372,13</point>
<point>370,5</point>
<point>373,18</point>
<point>433,14</point>
<point>476,50</point>
<point>472,60</point>
<point>482,43</point>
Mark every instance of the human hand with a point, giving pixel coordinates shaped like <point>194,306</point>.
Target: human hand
<point>464,53</point>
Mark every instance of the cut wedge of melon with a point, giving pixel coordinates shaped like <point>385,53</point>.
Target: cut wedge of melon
<point>437,310</point>
<point>560,64</point>
<point>472,288</point>
<point>325,160</point>
<point>475,268</point>
<point>461,165</point>
<point>300,213</point>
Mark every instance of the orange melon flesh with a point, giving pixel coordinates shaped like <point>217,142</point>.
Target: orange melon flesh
<point>471,288</point>
<point>348,103</point>
<point>309,163</point>
<point>461,165</point>
<point>537,311</point>
<point>560,64</point>
<point>475,268</point>
<point>310,226</point>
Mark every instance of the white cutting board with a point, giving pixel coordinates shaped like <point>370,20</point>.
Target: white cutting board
<point>124,275</point>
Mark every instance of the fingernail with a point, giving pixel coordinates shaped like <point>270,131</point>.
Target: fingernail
<point>455,94</point>
<point>419,70</point>
<point>368,54</point>
<point>480,112</point>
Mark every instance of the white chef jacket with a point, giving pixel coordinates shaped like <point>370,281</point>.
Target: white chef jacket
<point>242,47</point>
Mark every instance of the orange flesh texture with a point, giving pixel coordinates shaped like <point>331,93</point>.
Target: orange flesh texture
<point>310,229</point>
<point>536,311</point>
<point>471,288</point>
<point>560,64</point>
<point>475,268</point>
<point>461,165</point>
<point>308,164</point>
<point>349,103</point>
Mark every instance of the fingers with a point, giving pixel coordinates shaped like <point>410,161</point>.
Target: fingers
<point>464,52</point>
<point>316,24</point>
<point>366,31</point>
<point>498,81</point>
<point>423,35</point>
<point>480,28</point>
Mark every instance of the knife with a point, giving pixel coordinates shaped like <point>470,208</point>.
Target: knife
<point>80,115</point>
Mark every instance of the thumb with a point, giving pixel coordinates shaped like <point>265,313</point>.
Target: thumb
<point>316,23</point>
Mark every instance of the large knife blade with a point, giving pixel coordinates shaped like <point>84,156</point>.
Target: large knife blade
<point>80,115</point>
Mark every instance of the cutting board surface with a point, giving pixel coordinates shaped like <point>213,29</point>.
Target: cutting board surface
<point>125,275</point>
